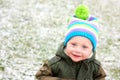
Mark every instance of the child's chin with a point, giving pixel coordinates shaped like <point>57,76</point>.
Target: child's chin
<point>76,60</point>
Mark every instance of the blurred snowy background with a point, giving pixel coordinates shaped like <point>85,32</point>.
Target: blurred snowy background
<point>31,31</point>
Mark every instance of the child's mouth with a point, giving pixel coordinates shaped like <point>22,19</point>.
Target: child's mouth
<point>76,55</point>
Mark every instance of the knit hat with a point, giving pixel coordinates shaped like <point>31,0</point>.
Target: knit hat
<point>82,24</point>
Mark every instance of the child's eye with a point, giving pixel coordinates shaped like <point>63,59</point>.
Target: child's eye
<point>84,46</point>
<point>73,44</point>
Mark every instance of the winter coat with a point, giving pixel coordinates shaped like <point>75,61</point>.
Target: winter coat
<point>61,67</point>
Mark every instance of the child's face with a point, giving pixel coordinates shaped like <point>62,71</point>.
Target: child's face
<point>78,48</point>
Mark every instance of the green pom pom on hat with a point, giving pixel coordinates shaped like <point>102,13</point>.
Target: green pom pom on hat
<point>82,12</point>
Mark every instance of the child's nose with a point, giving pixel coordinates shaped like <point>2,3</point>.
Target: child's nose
<point>78,49</point>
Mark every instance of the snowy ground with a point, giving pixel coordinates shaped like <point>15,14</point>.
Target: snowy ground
<point>31,31</point>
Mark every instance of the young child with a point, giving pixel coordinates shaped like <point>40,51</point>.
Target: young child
<point>75,58</point>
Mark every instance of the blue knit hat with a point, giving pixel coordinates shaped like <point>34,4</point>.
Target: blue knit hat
<point>85,26</point>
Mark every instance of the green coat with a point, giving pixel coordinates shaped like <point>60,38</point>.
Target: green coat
<point>63,68</point>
